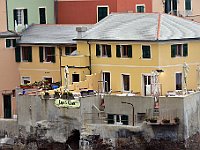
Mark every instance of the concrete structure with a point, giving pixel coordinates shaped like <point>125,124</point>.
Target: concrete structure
<point>184,8</point>
<point>92,11</point>
<point>160,43</point>
<point>9,68</point>
<point>23,13</point>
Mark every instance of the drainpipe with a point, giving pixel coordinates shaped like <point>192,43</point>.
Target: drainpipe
<point>7,13</point>
<point>60,53</point>
<point>90,62</point>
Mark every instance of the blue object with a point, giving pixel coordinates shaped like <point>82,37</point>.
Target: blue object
<point>54,86</point>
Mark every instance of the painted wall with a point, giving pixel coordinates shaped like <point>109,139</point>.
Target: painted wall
<point>136,66</point>
<point>3,24</point>
<point>9,75</point>
<point>85,11</point>
<point>38,70</point>
<point>33,11</point>
<point>158,6</point>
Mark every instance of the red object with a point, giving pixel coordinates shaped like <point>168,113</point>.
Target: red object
<point>85,11</point>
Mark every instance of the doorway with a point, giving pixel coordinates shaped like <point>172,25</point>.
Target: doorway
<point>106,81</point>
<point>7,106</point>
<point>147,85</point>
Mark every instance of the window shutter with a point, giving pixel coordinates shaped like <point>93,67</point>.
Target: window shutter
<point>185,50</point>
<point>8,43</point>
<point>14,42</point>
<point>129,51</point>
<point>15,16</point>
<point>187,4</point>
<point>118,52</point>
<point>67,50</point>
<point>98,50</point>
<point>41,54</point>
<point>25,16</point>
<point>109,50</point>
<point>53,55</point>
<point>30,54</point>
<point>173,50</point>
<point>17,54</point>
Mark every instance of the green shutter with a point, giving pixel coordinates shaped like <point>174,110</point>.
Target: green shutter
<point>29,54</point>
<point>185,50</point>
<point>25,16</point>
<point>8,43</point>
<point>53,55</point>
<point>109,50</point>
<point>173,50</point>
<point>118,51</point>
<point>14,42</point>
<point>129,51</point>
<point>17,54</point>
<point>67,50</point>
<point>15,16</point>
<point>41,54</point>
<point>98,50</point>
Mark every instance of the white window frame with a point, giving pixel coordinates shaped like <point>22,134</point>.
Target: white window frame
<point>122,82</point>
<point>137,5</point>
<point>39,13</point>
<point>150,52</point>
<point>22,80</point>
<point>44,54</point>
<point>108,10</point>
<point>43,78</point>
<point>181,81</point>
<point>11,42</point>
<point>102,77</point>
<point>185,7</point>
<point>21,54</point>
<point>22,16</point>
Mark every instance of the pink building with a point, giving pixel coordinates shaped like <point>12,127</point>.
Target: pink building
<point>92,11</point>
<point>9,76</point>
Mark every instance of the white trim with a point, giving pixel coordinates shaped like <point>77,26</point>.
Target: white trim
<point>175,80</point>
<point>108,10</point>
<point>122,85</point>
<point>11,43</point>
<point>185,6</point>
<point>110,77</point>
<point>47,77</point>
<point>150,52</point>
<point>143,86</point>
<point>39,14</point>
<point>140,5</point>
<point>25,77</point>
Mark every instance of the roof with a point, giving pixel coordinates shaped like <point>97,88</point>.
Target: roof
<point>142,27</point>
<point>39,34</point>
<point>8,34</point>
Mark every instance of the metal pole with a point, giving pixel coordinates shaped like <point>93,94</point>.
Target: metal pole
<point>132,109</point>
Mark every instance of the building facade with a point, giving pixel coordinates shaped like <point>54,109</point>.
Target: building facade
<point>183,8</point>
<point>23,13</point>
<point>9,68</point>
<point>125,62</point>
<point>92,11</point>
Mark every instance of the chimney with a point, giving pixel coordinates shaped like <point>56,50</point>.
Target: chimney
<point>80,31</point>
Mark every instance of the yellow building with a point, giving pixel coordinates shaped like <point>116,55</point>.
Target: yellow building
<point>43,51</point>
<point>125,48</point>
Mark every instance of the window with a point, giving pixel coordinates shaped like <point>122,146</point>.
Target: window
<point>25,80</point>
<point>75,77</point>
<point>103,50</point>
<point>69,50</point>
<point>124,51</point>
<point>178,81</point>
<point>42,13</point>
<point>171,6</point>
<point>188,5</point>
<point>146,51</point>
<point>117,119</point>
<point>10,43</point>
<point>102,12</point>
<point>20,16</point>
<point>179,50</point>
<point>47,54</point>
<point>141,117</point>
<point>126,82</point>
<point>49,79</point>
<point>140,8</point>
<point>23,54</point>
<point>26,55</point>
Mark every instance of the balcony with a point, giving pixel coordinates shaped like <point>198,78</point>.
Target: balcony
<point>78,61</point>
